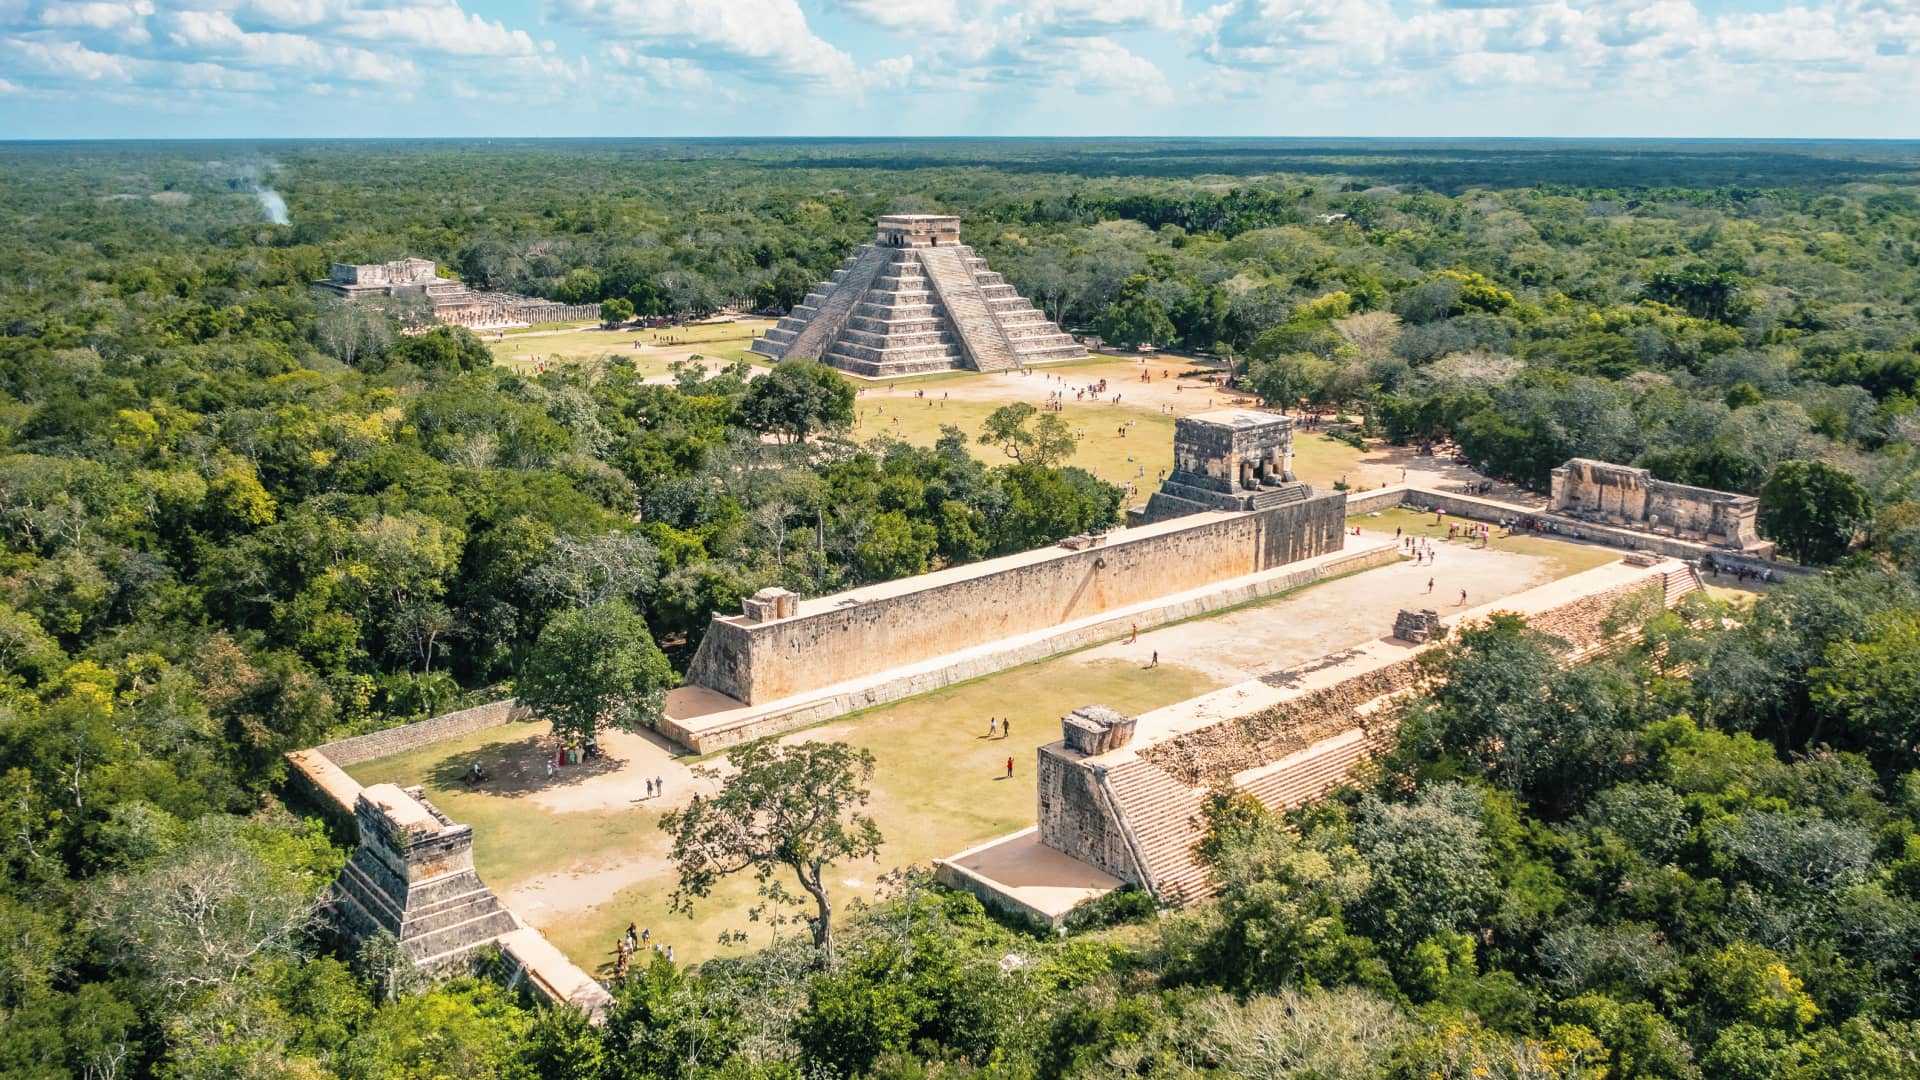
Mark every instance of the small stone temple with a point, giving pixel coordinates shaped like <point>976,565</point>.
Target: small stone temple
<point>1227,459</point>
<point>916,300</point>
<point>1626,496</point>
<point>412,875</point>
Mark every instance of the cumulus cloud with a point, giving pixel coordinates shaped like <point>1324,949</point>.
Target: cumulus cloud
<point>766,40</point>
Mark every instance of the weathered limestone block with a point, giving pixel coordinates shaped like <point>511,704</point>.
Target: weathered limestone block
<point>1418,626</point>
<point>1227,459</point>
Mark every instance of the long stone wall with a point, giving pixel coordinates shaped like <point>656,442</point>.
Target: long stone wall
<point>704,736</point>
<point>867,631</point>
<point>394,740</point>
<point>1135,812</point>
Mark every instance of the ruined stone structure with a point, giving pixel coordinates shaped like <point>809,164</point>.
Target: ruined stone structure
<point>782,646</point>
<point>1227,459</point>
<point>1124,796</point>
<point>450,301</point>
<point>917,300</point>
<point>1419,626</point>
<point>1630,497</point>
<point>412,875</point>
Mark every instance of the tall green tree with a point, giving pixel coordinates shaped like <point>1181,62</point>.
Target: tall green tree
<point>796,808</point>
<point>595,667</point>
<point>1813,510</point>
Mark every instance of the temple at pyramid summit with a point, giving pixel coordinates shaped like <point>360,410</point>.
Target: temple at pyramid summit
<point>913,301</point>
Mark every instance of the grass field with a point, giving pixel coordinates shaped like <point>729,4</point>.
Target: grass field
<point>939,788</point>
<point>1140,456</point>
<point>719,341</point>
<point>1567,557</point>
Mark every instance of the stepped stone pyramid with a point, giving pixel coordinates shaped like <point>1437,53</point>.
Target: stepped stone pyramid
<point>412,875</point>
<point>917,300</point>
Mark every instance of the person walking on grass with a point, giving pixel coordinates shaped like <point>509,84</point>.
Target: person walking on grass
<point>1429,586</point>
<point>1006,728</point>
<point>1009,768</point>
<point>1463,598</point>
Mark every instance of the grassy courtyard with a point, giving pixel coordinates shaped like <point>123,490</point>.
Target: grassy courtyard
<point>1567,558</point>
<point>938,788</point>
<point>724,342</point>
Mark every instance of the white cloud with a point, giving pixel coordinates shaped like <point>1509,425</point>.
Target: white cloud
<point>70,59</point>
<point>938,15</point>
<point>766,40</point>
<point>439,27</point>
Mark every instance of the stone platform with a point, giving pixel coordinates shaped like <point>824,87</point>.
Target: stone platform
<point>705,720</point>
<point>1020,875</point>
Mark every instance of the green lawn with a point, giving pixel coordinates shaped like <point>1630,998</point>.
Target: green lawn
<point>938,790</point>
<point>1140,456</point>
<point>1567,557</point>
<point>720,341</point>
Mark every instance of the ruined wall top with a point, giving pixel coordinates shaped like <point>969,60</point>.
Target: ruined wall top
<point>1608,474</point>
<point>397,272</point>
<point>917,230</point>
<point>1095,729</point>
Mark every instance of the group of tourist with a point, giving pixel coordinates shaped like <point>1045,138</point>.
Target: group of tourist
<point>1739,571</point>
<point>630,943</point>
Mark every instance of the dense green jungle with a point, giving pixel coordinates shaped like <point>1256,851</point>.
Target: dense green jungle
<point>237,520</point>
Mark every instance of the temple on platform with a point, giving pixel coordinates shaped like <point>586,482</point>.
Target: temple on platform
<point>916,300</point>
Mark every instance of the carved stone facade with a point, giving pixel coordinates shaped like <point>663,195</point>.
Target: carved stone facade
<point>1227,459</point>
<point>451,302</point>
<point>412,876</point>
<point>1630,497</point>
<point>916,300</point>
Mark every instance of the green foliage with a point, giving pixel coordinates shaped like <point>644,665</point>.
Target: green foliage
<point>796,399</point>
<point>1813,510</point>
<point>1029,436</point>
<point>595,666</point>
<point>794,808</point>
<point>616,311</point>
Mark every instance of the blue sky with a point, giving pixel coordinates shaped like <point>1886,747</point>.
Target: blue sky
<point>254,68</point>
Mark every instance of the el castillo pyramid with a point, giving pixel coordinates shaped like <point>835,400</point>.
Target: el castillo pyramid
<point>917,300</point>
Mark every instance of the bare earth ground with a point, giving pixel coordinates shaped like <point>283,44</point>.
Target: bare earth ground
<point>580,854</point>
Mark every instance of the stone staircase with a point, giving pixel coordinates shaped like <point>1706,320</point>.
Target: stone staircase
<point>892,311</point>
<point>831,316</point>
<point>1160,817</point>
<point>981,337</point>
<point>1282,495</point>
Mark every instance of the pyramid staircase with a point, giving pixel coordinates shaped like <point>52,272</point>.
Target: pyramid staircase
<point>893,311</point>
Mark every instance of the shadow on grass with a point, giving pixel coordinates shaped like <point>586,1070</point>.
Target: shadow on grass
<point>516,768</point>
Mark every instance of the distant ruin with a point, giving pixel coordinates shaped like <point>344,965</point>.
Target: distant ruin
<point>917,300</point>
<point>450,302</point>
<point>1630,497</point>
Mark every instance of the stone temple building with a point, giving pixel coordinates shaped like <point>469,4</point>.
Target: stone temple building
<point>1629,497</point>
<point>412,876</point>
<point>1227,459</point>
<point>916,300</point>
<point>451,301</point>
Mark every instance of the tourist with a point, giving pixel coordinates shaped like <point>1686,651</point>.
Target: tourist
<point>1009,768</point>
<point>632,939</point>
<point>993,725</point>
<point>1429,585</point>
<point>1006,728</point>
<point>1463,598</point>
<point>549,768</point>
<point>1155,662</point>
<point>646,935</point>
<point>1134,634</point>
<point>659,786</point>
<point>649,789</point>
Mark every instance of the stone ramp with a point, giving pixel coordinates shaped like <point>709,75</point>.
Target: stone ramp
<point>981,336</point>
<point>819,333</point>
